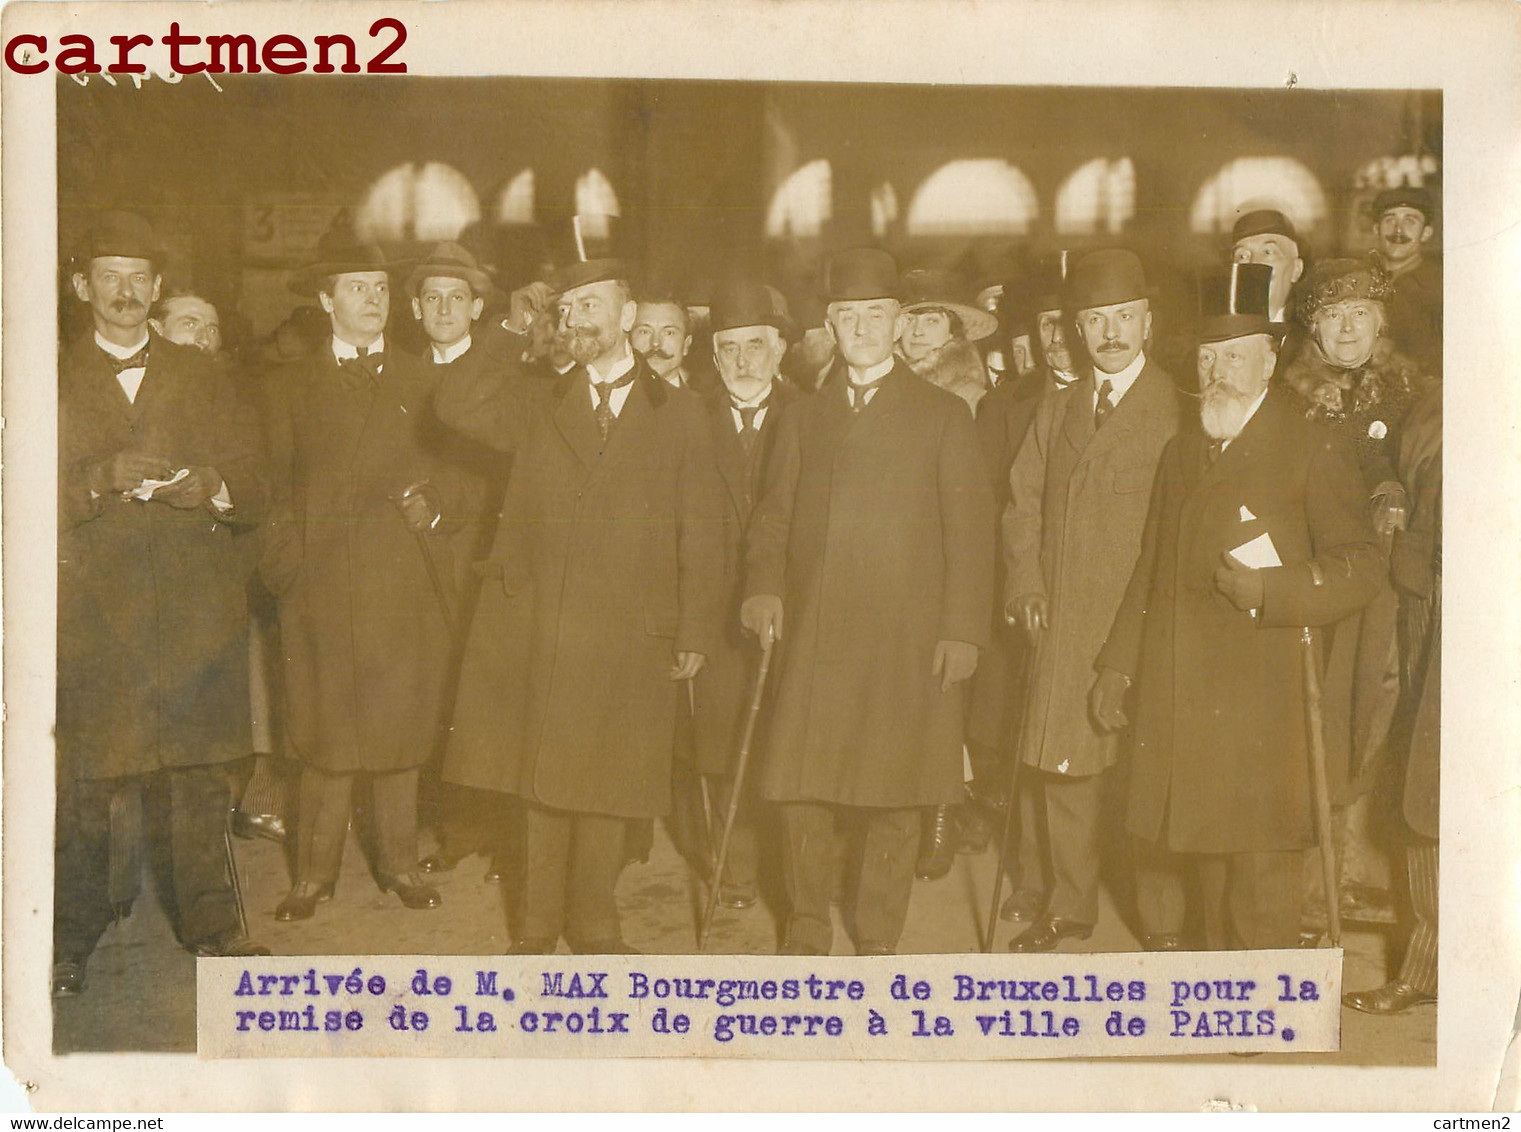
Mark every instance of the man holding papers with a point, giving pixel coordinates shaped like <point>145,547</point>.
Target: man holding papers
<point>1258,526</point>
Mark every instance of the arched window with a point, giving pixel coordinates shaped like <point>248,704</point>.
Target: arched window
<point>595,201</point>
<point>515,205</point>
<point>884,209</point>
<point>803,203</point>
<point>1097,197</point>
<point>1249,182</point>
<point>981,196</point>
<point>434,202</point>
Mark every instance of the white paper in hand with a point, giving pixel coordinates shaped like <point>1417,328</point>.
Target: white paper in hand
<point>1258,554</point>
<point>145,490</point>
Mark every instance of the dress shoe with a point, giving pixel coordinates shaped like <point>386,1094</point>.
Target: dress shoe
<point>1391,998</point>
<point>611,945</point>
<point>738,895</point>
<point>937,852</point>
<point>1047,934</point>
<point>1023,906</point>
<point>68,979</point>
<point>875,949</point>
<point>495,873</point>
<point>413,891</point>
<point>437,863</point>
<point>271,827</point>
<point>792,948</point>
<point>533,946</point>
<point>302,900</point>
<point>1162,941</point>
<point>232,944</point>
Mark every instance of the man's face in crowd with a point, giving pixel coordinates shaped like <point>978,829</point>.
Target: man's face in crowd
<point>191,321</point>
<point>595,319</point>
<point>358,305</point>
<point>1402,233</point>
<point>1115,334</point>
<point>1053,341</point>
<point>447,307</point>
<point>1282,255</point>
<point>119,290</point>
<point>864,330</point>
<point>1232,374</point>
<point>1347,331</point>
<point>1022,355</point>
<point>925,331</point>
<point>660,334</point>
<point>748,359</point>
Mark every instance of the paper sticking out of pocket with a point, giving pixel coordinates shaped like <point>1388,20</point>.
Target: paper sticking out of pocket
<point>145,490</point>
<point>1246,514</point>
<point>1258,554</point>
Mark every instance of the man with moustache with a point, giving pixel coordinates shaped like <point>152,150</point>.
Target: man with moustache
<point>1267,236</point>
<point>1072,529</point>
<point>662,336</point>
<point>358,555</point>
<point>874,537</point>
<point>158,463</point>
<point>1402,230</point>
<point>604,596</point>
<point>1258,527</point>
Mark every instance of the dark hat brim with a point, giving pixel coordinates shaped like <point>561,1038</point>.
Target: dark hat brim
<point>789,330</point>
<point>479,281</point>
<point>977,323</point>
<point>307,280</point>
<point>1224,327</point>
<point>585,272</point>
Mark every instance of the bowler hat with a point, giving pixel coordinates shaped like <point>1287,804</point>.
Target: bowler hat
<point>1263,222</point>
<point>745,302</point>
<point>338,253</point>
<point>926,288</point>
<point>123,234</point>
<point>1104,278</point>
<point>1240,305</point>
<point>449,260</point>
<point>1405,196</point>
<point>590,247</point>
<point>856,274</point>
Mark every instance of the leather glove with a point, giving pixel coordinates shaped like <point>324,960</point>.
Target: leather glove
<point>1391,511</point>
<point>688,665</point>
<point>125,471</point>
<point>955,661</point>
<point>762,615</point>
<point>1107,699</point>
<point>1241,585</point>
<point>419,506</point>
<point>193,491</point>
<point>1032,612</point>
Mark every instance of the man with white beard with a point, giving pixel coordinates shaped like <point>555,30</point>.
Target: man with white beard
<point>1258,527</point>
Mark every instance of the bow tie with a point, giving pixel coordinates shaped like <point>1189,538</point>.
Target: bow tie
<point>362,372</point>
<point>136,361</point>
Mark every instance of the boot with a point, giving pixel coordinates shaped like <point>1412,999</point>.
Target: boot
<point>937,845</point>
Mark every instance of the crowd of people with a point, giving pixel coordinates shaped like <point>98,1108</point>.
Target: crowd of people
<point>1008,569</point>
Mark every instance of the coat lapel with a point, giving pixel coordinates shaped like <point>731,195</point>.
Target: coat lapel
<point>732,465</point>
<point>574,417</point>
<point>1077,422</point>
<point>1144,398</point>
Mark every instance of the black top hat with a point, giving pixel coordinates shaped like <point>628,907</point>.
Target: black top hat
<point>745,302</point>
<point>123,234</point>
<point>1104,278</point>
<point>928,287</point>
<point>1050,280</point>
<point>338,253</point>
<point>1240,304</point>
<point>449,260</point>
<point>1405,196</point>
<point>1015,314</point>
<point>590,253</point>
<point>856,274</point>
<point>1262,222</point>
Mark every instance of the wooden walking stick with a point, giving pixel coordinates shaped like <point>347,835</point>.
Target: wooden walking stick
<point>1315,722</point>
<point>739,783</point>
<point>703,790</point>
<point>425,548</point>
<point>1012,800</point>
<point>232,871</point>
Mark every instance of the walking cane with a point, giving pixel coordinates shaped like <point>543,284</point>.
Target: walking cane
<point>1012,799</point>
<point>425,548</point>
<point>702,787</point>
<point>739,784</point>
<point>1316,724</point>
<point>232,869</point>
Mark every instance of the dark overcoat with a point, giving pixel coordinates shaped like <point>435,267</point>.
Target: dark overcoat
<point>608,560</point>
<point>1072,531</point>
<point>876,530</point>
<point>725,687</point>
<point>1219,758</point>
<point>152,612</point>
<point>365,642</point>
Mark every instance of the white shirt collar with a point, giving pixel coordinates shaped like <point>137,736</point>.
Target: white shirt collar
<point>1062,378</point>
<point>343,350</point>
<point>866,377</point>
<point>1250,413</point>
<point>752,403</point>
<point>120,351</point>
<point>615,371</point>
<point>1119,382</point>
<point>443,355</point>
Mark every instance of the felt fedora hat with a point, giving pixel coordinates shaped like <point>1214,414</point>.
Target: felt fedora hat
<point>856,274</point>
<point>124,234</point>
<point>1105,278</point>
<point>449,260</point>
<point>925,288</point>
<point>338,253</point>
<point>1238,304</point>
<point>747,302</point>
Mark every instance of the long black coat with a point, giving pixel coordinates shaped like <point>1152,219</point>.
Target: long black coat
<point>152,609</point>
<point>607,562</point>
<point>1219,762</point>
<point>876,530</point>
<point>366,646</point>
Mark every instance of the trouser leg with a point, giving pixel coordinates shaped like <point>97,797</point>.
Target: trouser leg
<point>887,876</point>
<point>1262,899</point>
<point>394,798</point>
<point>546,862</point>
<point>1420,966</point>
<point>808,829</point>
<point>323,825</point>
<point>81,858</point>
<point>1159,888</point>
<point>1072,820</point>
<point>596,858</point>
<point>1027,865</point>
<point>198,808</point>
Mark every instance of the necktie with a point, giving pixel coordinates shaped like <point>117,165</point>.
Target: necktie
<point>363,372</point>
<point>748,433</point>
<point>1102,407</point>
<point>1216,447</point>
<point>859,390</point>
<point>604,391</point>
<point>136,361</point>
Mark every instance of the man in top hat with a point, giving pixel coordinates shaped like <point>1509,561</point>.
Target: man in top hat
<point>871,563</point>
<point>1072,529</point>
<point>940,323</point>
<point>1402,230</point>
<point>1258,527</point>
<point>158,464</point>
<point>604,596</point>
<point>1267,236</point>
<point>358,555</point>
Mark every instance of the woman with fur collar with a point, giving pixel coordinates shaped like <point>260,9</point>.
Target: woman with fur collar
<point>940,325</point>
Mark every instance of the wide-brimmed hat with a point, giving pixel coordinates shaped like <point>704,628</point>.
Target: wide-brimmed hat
<point>1238,304</point>
<point>449,260</point>
<point>1105,278</point>
<point>1405,196</point>
<point>589,251</point>
<point>858,274</point>
<point>123,234</point>
<point>925,288</point>
<point>747,302</point>
<point>1264,222</point>
<point>339,252</point>
<point>1337,280</point>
